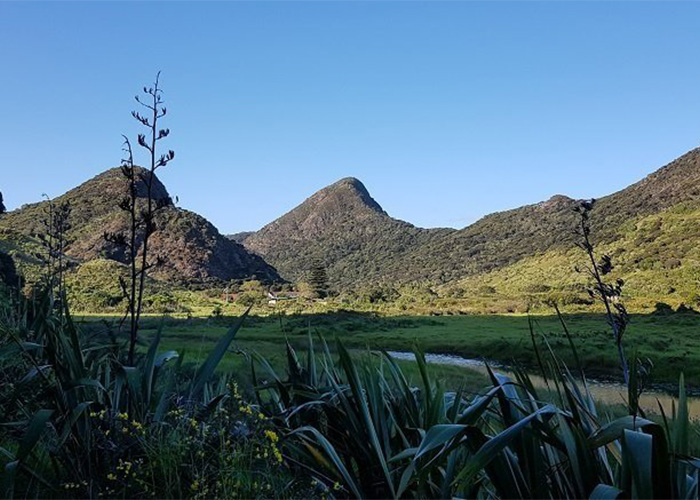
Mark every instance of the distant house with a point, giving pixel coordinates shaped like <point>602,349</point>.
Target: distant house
<point>274,297</point>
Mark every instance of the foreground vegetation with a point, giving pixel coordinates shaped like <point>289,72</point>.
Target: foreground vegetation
<point>93,410</point>
<point>211,409</point>
<point>82,423</point>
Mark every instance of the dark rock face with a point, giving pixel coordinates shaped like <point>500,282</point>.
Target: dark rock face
<point>192,248</point>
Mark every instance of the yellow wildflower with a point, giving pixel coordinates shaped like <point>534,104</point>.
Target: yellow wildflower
<point>234,391</point>
<point>272,436</point>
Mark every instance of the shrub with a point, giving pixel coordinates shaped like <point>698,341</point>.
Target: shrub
<point>253,286</point>
<point>249,299</point>
<point>537,288</point>
<point>683,309</point>
<point>485,290</point>
<point>672,263</point>
<point>662,309</point>
<point>379,294</point>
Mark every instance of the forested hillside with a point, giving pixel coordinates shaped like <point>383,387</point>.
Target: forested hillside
<point>649,226</point>
<point>192,249</point>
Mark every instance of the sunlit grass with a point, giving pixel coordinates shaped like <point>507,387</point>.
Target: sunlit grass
<point>669,341</point>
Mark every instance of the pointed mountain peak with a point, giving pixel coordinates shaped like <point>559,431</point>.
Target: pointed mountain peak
<point>333,220</point>
<point>95,197</point>
<point>348,190</point>
<point>353,182</point>
<point>557,201</point>
<point>111,182</point>
<point>559,198</point>
<point>341,225</point>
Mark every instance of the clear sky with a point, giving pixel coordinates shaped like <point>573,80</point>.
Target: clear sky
<point>447,111</point>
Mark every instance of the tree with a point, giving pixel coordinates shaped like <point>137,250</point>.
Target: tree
<point>141,213</point>
<point>2,205</point>
<point>318,279</point>
<point>305,290</point>
<point>252,292</point>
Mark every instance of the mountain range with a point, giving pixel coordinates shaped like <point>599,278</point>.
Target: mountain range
<point>652,228</point>
<point>649,226</point>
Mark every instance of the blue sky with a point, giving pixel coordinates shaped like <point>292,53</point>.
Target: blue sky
<point>447,111</point>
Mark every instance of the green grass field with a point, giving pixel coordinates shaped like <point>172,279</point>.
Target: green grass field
<point>671,342</point>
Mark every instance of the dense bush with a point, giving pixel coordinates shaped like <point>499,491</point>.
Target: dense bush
<point>87,425</point>
<point>537,288</point>
<point>379,294</point>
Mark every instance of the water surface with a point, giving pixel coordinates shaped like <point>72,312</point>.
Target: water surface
<point>609,393</point>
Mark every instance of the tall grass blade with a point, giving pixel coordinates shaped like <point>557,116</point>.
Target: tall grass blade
<point>207,369</point>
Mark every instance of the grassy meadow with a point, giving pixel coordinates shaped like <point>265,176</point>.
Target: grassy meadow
<point>503,339</point>
<point>669,341</point>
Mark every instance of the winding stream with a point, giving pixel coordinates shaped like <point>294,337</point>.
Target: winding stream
<point>610,393</point>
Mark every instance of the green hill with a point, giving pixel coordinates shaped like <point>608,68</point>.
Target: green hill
<point>194,251</point>
<point>345,228</point>
<point>651,228</point>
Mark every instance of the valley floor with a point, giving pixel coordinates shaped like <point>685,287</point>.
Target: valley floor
<point>670,342</point>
